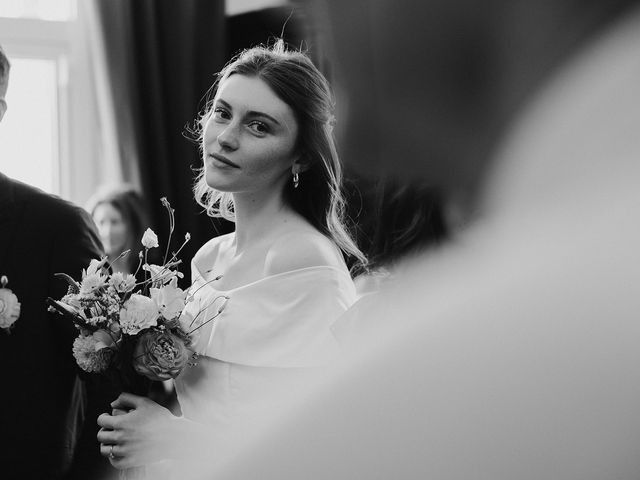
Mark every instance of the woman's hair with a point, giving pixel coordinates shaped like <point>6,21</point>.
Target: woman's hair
<point>130,204</point>
<point>298,83</point>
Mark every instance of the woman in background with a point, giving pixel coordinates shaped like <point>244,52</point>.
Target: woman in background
<point>266,295</point>
<point>121,217</point>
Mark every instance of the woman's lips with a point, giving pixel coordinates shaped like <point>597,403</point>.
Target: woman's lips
<point>221,159</point>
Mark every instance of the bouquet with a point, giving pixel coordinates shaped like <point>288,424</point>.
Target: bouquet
<point>131,328</point>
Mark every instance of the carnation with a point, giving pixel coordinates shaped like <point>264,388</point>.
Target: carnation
<point>138,313</point>
<point>9,308</point>
<point>91,353</point>
<point>122,282</point>
<point>91,282</point>
<point>160,355</point>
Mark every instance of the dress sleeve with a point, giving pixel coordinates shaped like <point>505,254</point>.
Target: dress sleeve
<point>283,320</point>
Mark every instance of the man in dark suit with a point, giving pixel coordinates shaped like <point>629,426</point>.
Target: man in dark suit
<point>44,401</point>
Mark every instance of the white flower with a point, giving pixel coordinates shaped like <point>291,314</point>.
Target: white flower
<point>150,239</point>
<point>161,274</point>
<point>92,277</point>
<point>95,267</point>
<point>9,308</point>
<point>138,313</point>
<point>122,282</point>
<point>170,299</point>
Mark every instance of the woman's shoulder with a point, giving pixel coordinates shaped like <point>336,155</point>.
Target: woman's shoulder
<point>302,248</point>
<point>208,252</point>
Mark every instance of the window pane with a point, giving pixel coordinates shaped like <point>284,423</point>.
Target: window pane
<point>29,130</point>
<point>57,10</point>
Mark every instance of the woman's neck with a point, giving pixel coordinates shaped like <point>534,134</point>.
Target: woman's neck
<point>257,216</point>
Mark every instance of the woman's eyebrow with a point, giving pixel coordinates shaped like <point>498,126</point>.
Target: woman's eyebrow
<point>251,113</point>
<point>254,113</point>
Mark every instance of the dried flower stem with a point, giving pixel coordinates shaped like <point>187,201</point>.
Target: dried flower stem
<point>139,264</point>
<point>204,309</point>
<point>172,225</point>
<point>205,284</point>
<point>123,254</point>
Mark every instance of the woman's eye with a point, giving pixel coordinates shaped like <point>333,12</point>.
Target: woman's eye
<point>220,113</point>
<point>259,127</point>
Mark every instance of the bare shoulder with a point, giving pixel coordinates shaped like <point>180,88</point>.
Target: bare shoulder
<point>302,249</point>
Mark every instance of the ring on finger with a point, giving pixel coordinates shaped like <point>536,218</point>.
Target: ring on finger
<point>111,455</point>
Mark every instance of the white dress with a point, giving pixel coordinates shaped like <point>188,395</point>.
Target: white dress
<point>273,331</point>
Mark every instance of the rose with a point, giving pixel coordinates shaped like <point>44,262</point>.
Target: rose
<point>138,313</point>
<point>170,299</point>
<point>9,308</point>
<point>149,239</point>
<point>160,355</point>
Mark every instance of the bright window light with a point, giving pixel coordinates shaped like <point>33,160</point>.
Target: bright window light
<point>54,10</point>
<point>29,130</point>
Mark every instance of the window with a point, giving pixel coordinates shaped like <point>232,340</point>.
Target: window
<point>31,154</point>
<point>60,10</point>
<point>47,137</point>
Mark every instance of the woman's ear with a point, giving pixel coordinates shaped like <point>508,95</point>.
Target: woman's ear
<point>300,165</point>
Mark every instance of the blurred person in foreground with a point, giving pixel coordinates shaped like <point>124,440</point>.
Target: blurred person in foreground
<point>44,400</point>
<point>512,352</point>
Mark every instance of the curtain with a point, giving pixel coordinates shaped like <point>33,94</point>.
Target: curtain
<point>160,57</point>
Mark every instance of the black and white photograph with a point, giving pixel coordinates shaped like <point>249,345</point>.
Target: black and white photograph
<point>320,240</point>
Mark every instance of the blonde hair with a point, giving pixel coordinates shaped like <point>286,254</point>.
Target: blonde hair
<point>297,82</point>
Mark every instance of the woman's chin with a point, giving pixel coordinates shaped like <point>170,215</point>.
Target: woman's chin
<point>214,181</point>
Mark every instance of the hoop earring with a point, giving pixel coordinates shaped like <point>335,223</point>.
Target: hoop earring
<point>296,180</point>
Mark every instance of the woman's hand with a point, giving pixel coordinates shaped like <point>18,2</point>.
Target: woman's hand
<point>138,432</point>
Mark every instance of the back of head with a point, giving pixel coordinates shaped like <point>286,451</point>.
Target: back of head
<point>432,85</point>
<point>4,72</point>
<point>4,81</point>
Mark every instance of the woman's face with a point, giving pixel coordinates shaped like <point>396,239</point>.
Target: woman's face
<point>249,138</point>
<point>111,228</point>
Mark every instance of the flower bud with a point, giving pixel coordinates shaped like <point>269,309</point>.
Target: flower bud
<point>150,239</point>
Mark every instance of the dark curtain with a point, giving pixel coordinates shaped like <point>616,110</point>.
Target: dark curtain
<point>261,26</point>
<point>162,57</point>
<point>391,218</point>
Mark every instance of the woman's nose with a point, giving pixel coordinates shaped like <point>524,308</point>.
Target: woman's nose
<point>228,137</point>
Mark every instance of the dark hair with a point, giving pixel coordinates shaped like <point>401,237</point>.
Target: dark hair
<point>4,69</point>
<point>296,81</point>
<point>131,206</point>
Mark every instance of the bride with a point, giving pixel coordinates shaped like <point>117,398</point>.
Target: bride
<point>275,285</point>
